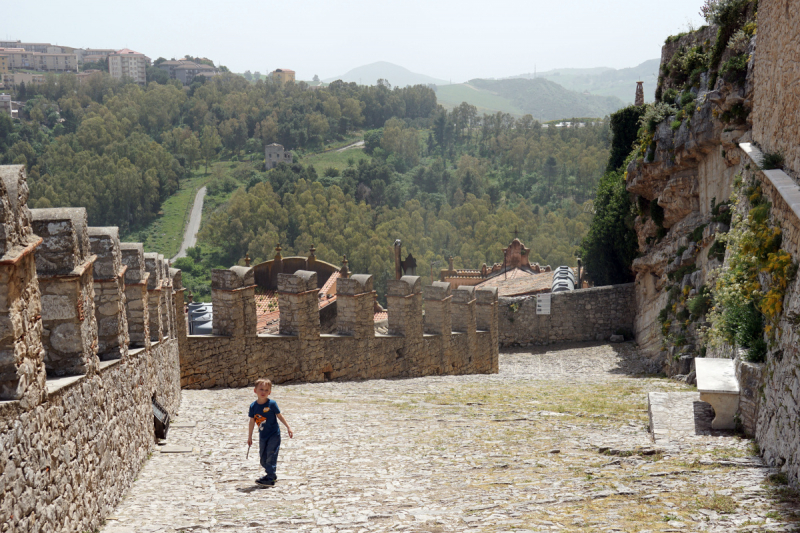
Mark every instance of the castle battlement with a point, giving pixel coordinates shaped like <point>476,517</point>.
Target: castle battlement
<point>417,344</point>
<point>75,371</point>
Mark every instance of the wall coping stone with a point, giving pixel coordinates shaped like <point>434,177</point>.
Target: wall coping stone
<point>355,284</point>
<point>301,281</point>
<point>133,255</point>
<point>56,384</point>
<point>464,295</point>
<point>13,256</point>
<point>486,296</point>
<point>438,290</point>
<point>405,286</point>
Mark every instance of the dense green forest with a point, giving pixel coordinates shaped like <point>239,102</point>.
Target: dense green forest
<point>445,182</point>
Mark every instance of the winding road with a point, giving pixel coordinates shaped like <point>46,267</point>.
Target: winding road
<point>190,234</point>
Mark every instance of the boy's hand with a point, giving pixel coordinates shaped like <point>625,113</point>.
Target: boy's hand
<point>290,432</point>
<point>250,440</point>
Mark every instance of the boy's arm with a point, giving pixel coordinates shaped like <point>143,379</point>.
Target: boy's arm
<point>288,429</point>
<point>250,432</point>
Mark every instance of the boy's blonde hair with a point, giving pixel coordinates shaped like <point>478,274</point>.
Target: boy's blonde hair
<point>265,381</point>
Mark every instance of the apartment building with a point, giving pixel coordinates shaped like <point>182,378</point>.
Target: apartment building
<point>130,64</point>
<point>94,55</point>
<point>19,58</point>
<point>3,66</point>
<point>184,70</point>
<point>42,48</point>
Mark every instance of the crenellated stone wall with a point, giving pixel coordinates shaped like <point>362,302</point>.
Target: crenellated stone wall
<point>581,315</point>
<point>301,353</point>
<point>76,419</point>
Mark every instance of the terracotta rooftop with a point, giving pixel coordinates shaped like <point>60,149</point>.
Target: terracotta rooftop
<point>268,315</point>
<point>517,282</point>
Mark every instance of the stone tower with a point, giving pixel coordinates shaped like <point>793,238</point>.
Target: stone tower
<point>639,94</point>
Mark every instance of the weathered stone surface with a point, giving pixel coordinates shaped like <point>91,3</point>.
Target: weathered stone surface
<point>581,315</point>
<point>15,217</point>
<point>133,258</point>
<point>104,243</point>
<point>776,103</point>
<point>65,245</point>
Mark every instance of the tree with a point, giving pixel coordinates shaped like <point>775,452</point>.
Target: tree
<point>256,75</point>
<point>248,75</point>
<point>157,75</point>
<point>315,79</point>
<point>609,248</point>
<point>209,144</point>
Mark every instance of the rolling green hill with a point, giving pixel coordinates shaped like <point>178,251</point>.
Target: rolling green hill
<point>605,81</point>
<point>451,96</point>
<point>543,99</point>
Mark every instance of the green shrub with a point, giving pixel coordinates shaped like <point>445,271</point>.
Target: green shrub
<point>745,325</point>
<point>668,97</point>
<point>697,233</point>
<point>680,251</point>
<point>717,250</point>
<point>683,315</point>
<point>772,160</point>
<point>610,244</point>
<point>655,114</point>
<point>734,70</point>
<point>663,315</point>
<point>687,97</point>
<point>678,275</point>
<point>675,124</point>
<point>624,126</point>
<point>700,304</point>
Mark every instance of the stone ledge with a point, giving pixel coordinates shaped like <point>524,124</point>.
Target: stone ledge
<point>55,385</point>
<point>135,351</point>
<point>109,363</point>
<point>783,183</point>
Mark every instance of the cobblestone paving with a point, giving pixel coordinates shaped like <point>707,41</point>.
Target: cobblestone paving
<point>557,441</point>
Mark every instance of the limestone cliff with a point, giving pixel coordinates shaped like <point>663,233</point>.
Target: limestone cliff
<point>682,180</point>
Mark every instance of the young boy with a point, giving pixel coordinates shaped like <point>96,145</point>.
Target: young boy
<point>266,414</point>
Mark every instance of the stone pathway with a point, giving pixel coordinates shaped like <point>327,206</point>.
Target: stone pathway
<point>557,441</point>
<point>678,416</point>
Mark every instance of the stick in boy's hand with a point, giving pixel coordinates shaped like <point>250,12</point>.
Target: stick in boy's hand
<point>248,452</point>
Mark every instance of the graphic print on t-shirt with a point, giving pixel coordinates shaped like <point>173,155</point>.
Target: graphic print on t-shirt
<point>261,419</point>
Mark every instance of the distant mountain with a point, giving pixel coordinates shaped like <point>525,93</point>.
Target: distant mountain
<point>541,98</point>
<point>605,81</point>
<point>395,74</point>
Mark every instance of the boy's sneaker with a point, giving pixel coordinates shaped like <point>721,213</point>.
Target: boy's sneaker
<point>265,481</point>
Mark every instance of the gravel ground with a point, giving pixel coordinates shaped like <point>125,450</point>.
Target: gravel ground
<point>557,441</point>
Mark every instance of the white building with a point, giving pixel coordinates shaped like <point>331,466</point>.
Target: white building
<point>130,64</point>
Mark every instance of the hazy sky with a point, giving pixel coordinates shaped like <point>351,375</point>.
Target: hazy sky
<point>448,39</point>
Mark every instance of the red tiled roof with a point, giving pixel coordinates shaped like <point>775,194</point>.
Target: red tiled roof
<point>268,315</point>
<point>517,282</point>
<point>383,315</point>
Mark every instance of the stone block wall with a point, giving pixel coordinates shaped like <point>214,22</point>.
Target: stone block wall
<point>777,426</point>
<point>776,74</point>
<point>72,437</point>
<point>581,315</point>
<point>301,353</point>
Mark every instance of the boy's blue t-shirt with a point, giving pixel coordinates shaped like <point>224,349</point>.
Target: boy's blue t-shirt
<point>265,417</point>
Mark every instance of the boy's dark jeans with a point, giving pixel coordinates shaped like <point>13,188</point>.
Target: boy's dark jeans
<point>268,451</point>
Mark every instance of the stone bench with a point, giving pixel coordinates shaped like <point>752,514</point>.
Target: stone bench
<point>717,385</point>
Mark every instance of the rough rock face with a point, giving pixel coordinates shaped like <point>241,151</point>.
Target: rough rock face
<point>686,170</point>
